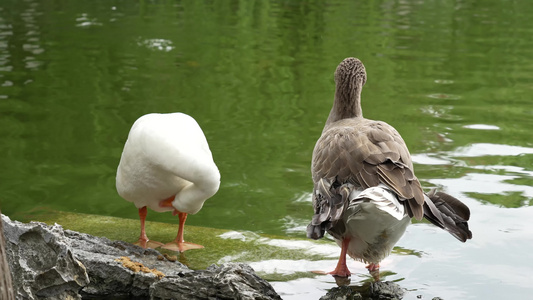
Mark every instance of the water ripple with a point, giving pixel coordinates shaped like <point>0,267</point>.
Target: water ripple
<point>85,21</point>
<point>482,127</point>
<point>157,44</point>
<point>444,96</point>
<point>487,149</point>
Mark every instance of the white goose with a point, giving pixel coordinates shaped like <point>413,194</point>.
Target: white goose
<point>166,165</point>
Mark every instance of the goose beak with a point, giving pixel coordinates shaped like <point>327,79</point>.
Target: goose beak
<point>167,202</point>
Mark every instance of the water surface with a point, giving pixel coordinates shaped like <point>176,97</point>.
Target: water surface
<point>454,77</point>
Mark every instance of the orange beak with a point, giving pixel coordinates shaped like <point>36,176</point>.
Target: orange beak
<point>168,203</point>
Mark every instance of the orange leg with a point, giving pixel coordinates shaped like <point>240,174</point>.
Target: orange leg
<point>178,244</point>
<point>143,238</point>
<point>373,269</point>
<point>342,270</point>
<point>182,217</point>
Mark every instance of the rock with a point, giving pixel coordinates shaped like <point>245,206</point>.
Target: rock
<point>52,263</point>
<point>41,262</point>
<point>109,276</point>
<point>381,290</point>
<point>6,284</point>
<point>342,293</point>
<point>228,281</point>
<point>386,290</point>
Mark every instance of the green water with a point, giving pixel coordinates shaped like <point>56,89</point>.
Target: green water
<point>454,77</point>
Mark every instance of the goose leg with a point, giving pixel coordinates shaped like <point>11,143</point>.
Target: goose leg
<point>143,238</point>
<point>178,244</point>
<point>373,269</point>
<point>342,270</point>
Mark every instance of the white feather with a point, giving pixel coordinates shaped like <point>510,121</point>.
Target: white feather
<point>167,155</point>
<point>375,220</point>
<point>385,199</point>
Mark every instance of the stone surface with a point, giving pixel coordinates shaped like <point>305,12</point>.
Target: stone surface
<point>6,285</point>
<point>228,281</point>
<point>108,275</point>
<point>381,290</point>
<point>52,263</point>
<point>42,263</point>
<point>342,293</point>
<point>386,290</point>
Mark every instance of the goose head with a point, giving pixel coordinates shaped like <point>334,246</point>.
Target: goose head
<point>350,77</point>
<point>350,74</point>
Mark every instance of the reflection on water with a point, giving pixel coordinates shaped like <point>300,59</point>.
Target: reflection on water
<point>453,77</point>
<point>482,127</point>
<point>483,149</point>
<point>84,20</point>
<point>483,177</point>
<point>157,44</point>
<point>322,257</point>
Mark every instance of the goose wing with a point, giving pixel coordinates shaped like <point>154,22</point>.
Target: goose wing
<point>364,153</point>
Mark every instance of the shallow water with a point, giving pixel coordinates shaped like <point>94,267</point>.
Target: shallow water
<point>454,77</point>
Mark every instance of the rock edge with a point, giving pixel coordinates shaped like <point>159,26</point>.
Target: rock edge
<point>53,263</point>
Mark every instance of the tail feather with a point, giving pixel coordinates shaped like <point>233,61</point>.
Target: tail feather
<point>330,202</point>
<point>448,213</point>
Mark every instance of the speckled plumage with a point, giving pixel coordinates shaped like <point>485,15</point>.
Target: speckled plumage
<point>354,154</point>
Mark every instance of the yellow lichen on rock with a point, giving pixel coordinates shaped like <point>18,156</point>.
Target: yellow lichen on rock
<point>172,258</point>
<point>138,267</point>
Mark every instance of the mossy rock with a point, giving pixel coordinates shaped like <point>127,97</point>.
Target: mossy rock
<point>220,245</point>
